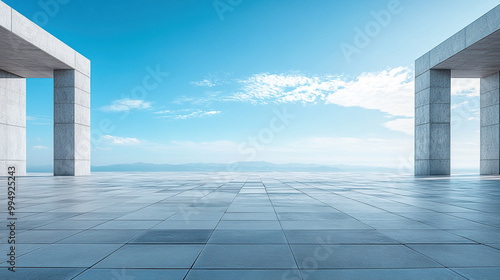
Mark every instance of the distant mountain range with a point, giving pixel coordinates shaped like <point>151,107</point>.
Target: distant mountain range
<point>214,167</point>
<point>255,166</point>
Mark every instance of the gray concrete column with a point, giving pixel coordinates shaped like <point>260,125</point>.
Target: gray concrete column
<point>71,123</point>
<point>12,123</point>
<point>432,122</point>
<point>490,125</point>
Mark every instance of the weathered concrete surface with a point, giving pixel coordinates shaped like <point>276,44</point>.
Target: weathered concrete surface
<point>28,51</point>
<point>473,52</point>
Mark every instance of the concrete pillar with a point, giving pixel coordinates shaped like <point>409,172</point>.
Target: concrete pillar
<point>12,123</point>
<point>71,123</point>
<point>490,125</point>
<point>432,122</point>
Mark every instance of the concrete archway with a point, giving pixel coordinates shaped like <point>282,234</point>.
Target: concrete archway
<point>473,52</point>
<point>28,51</point>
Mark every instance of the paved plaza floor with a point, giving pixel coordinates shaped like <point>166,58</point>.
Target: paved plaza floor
<point>126,226</point>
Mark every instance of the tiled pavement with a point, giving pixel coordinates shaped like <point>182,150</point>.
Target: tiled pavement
<point>127,226</point>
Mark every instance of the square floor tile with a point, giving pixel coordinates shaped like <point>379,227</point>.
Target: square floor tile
<point>174,236</point>
<point>382,274</point>
<point>305,208</point>
<point>147,216</point>
<point>497,246</point>
<point>24,224</point>
<point>323,225</point>
<point>21,249</point>
<point>239,274</point>
<point>337,237</point>
<point>40,273</point>
<point>424,236</point>
<point>480,235</point>
<point>188,224</point>
<point>133,274</point>
<point>483,273</point>
<point>249,225</point>
<point>67,255</point>
<point>196,215</point>
<point>456,256</point>
<point>397,224</point>
<point>44,236</point>
<point>359,256</point>
<point>311,216</point>
<point>107,236</point>
<point>96,216</point>
<point>115,224</point>
<point>152,256</point>
<point>248,237</point>
<point>250,209</point>
<point>262,216</point>
<point>246,256</point>
<point>72,224</point>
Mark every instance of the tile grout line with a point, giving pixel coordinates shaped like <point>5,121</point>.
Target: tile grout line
<point>215,227</point>
<point>283,231</point>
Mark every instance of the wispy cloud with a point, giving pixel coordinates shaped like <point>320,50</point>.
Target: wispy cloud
<point>467,87</point>
<point>126,104</point>
<point>186,114</point>
<point>213,79</point>
<point>39,120</point>
<point>207,98</point>
<point>120,140</point>
<point>282,88</point>
<point>390,91</point>
<point>204,83</point>
<point>40,148</point>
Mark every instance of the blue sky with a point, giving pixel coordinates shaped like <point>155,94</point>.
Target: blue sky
<point>234,80</point>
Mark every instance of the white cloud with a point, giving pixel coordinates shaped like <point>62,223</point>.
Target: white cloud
<point>126,104</point>
<point>207,98</point>
<point>39,148</point>
<point>467,87</point>
<point>204,83</point>
<point>402,125</point>
<point>455,106</point>
<point>283,88</point>
<point>186,114</point>
<point>164,112</point>
<point>39,120</point>
<point>120,140</point>
<point>390,91</point>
